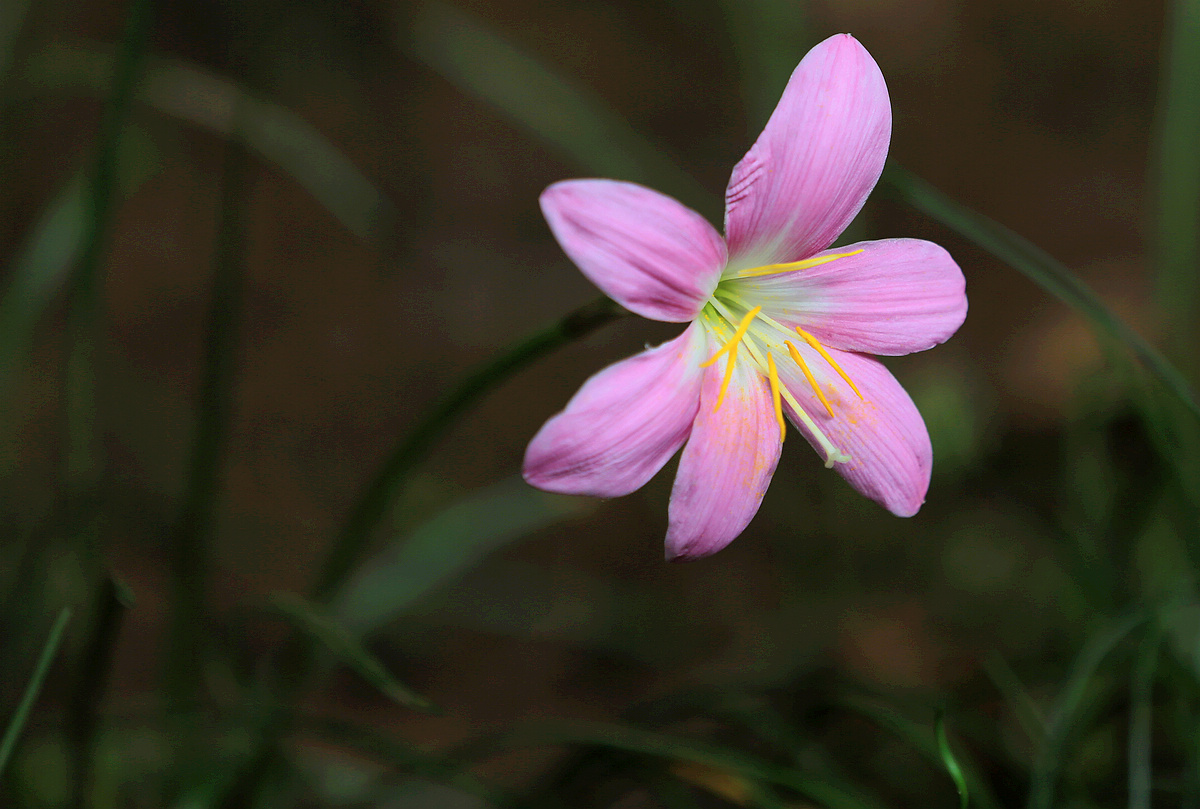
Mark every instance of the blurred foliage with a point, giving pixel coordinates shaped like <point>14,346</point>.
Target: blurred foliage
<point>246,244</point>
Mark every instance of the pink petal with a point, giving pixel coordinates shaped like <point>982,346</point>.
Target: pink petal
<point>726,466</point>
<point>622,425</point>
<point>895,297</point>
<point>644,250</point>
<point>885,437</point>
<point>816,161</point>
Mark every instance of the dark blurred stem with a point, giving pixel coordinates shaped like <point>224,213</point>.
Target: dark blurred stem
<point>83,462</point>
<point>374,502</point>
<point>16,724</point>
<point>1176,179</point>
<point>91,680</point>
<point>12,16</point>
<point>193,533</point>
<point>295,661</point>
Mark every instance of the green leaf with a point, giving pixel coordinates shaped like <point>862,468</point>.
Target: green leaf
<point>467,53</point>
<point>190,93</point>
<point>932,746</point>
<point>1041,268</point>
<point>15,725</point>
<point>1176,179</point>
<point>39,272</point>
<point>326,630</point>
<point>12,17</point>
<point>949,761</point>
<point>1141,724</point>
<point>443,548</point>
<point>402,757</point>
<point>769,37</point>
<point>826,790</point>
<point>1068,710</point>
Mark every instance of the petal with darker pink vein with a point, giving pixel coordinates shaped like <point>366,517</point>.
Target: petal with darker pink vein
<point>623,424</point>
<point>726,466</point>
<point>890,297</point>
<point>649,253</point>
<point>817,159</point>
<point>882,432</point>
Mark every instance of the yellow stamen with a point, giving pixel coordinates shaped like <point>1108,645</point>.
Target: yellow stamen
<point>775,397</point>
<point>775,269</point>
<point>808,375</point>
<point>731,347</point>
<point>812,341</point>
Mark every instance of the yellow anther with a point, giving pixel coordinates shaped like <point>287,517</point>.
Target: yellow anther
<point>775,397</point>
<point>724,382</point>
<point>812,341</point>
<point>731,348</point>
<point>808,375</point>
<point>775,269</point>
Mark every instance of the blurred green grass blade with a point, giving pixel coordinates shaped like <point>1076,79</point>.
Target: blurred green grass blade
<point>402,757</point>
<point>1141,697</point>
<point>39,272</point>
<point>83,452</point>
<point>1017,696</point>
<point>477,60</point>
<point>930,746</point>
<point>91,681</point>
<point>12,18</point>
<point>378,496</point>
<point>1064,720</point>
<point>1176,179</point>
<point>438,551</point>
<point>17,723</point>
<point>42,265</point>
<point>949,761</point>
<point>193,534</point>
<point>190,93</point>
<point>328,632</point>
<point>825,790</point>
<point>1041,268</point>
<point>769,38</point>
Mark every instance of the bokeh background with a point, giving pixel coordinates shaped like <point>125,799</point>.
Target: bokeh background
<point>376,165</point>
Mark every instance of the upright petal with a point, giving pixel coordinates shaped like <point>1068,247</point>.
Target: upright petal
<point>623,424</point>
<point>892,297</point>
<point>814,164</point>
<point>884,435</point>
<point>649,253</point>
<point>726,466</point>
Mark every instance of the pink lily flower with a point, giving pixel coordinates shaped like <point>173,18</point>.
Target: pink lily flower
<point>779,325</point>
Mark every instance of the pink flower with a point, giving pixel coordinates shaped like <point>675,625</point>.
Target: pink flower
<point>779,325</point>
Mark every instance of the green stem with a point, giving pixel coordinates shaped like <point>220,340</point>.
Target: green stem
<point>83,463</point>
<point>193,534</point>
<point>375,500</point>
<point>1176,178</point>
<point>15,725</point>
<point>295,662</point>
<point>91,681</point>
<point>12,17</point>
<point>1041,268</point>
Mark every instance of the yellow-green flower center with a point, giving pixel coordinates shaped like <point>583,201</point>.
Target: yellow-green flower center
<point>737,323</point>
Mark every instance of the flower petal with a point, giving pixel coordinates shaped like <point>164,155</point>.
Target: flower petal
<point>726,466</point>
<point>814,164</point>
<point>623,424</point>
<point>884,435</point>
<point>894,297</point>
<point>649,253</point>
